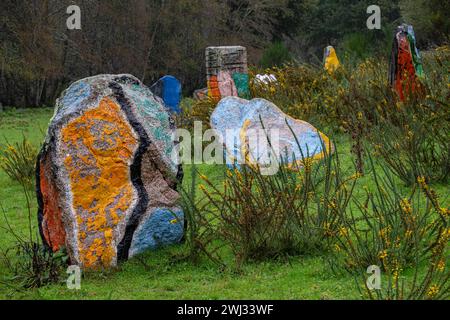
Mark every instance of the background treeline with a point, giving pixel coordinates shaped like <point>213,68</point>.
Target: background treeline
<point>39,56</point>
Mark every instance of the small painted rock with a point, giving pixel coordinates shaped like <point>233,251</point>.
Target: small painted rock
<point>264,79</point>
<point>168,88</point>
<point>107,173</point>
<point>331,61</point>
<point>246,127</point>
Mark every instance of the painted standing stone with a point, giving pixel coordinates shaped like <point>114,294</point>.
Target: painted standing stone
<point>227,72</point>
<point>235,118</point>
<point>107,174</point>
<point>330,60</point>
<point>168,88</point>
<point>405,67</point>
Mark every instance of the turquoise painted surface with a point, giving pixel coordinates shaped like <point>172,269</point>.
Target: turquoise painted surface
<point>417,60</point>
<point>241,82</point>
<point>150,108</point>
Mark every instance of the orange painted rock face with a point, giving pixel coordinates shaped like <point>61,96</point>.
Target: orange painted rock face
<point>405,75</point>
<point>213,88</point>
<point>51,225</point>
<point>97,147</point>
<point>94,191</point>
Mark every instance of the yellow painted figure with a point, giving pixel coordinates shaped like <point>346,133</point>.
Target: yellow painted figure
<point>331,61</point>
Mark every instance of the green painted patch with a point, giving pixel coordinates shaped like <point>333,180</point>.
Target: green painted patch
<point>241,81</point>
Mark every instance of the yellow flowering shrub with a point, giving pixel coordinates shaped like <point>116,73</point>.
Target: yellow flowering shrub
<point>18,161</point>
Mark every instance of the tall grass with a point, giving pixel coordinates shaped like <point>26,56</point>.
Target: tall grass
<point>18,161</point>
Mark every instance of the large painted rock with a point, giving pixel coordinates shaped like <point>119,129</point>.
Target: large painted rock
<point>245,128</point>
<point>227,72</point>
<point>330,60</point>
<point>168,88</point>
<point>107,173</point>
<point>405,67</point>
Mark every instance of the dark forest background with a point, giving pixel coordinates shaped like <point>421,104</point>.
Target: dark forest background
<point>39,56</point>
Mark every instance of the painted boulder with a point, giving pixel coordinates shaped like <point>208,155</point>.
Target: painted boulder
<point>107,174</point>
<point>168,88</point>
<point>252,130</point>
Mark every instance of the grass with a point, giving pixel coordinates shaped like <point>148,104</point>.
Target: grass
<point>154,275</point>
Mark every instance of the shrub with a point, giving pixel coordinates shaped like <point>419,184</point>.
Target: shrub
<point>200,230</point>
<point>410,135</point>
<point>33,266</point>
<point>29,263</point>
<point>359,45</point>
<point>415,147</point>
<point>295,211</point>
<point>397,232</point>
<point>18,161</point>
<point>185,119</point>
<point>387,229</point>
<point>275,56</point>
<point>201,111</point>
<point>433,283</point>
<point>302,91</point>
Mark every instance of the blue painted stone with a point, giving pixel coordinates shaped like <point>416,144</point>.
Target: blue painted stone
<point>162,227</point>
<point>169,89</point>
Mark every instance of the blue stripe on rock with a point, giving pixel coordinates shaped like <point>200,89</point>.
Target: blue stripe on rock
<point>162,227</point>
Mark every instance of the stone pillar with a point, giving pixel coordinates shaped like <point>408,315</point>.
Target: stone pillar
<point>405,68</point>
<point>227,72</point>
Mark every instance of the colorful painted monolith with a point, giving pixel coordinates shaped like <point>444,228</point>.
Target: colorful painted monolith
<point>168,88</point>
<point>107,175</point>
<point>243,125</point>
<point>227,72</point>
<point>405,68</point>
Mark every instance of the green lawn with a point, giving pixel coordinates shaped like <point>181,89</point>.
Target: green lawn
<point>154,276</point>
